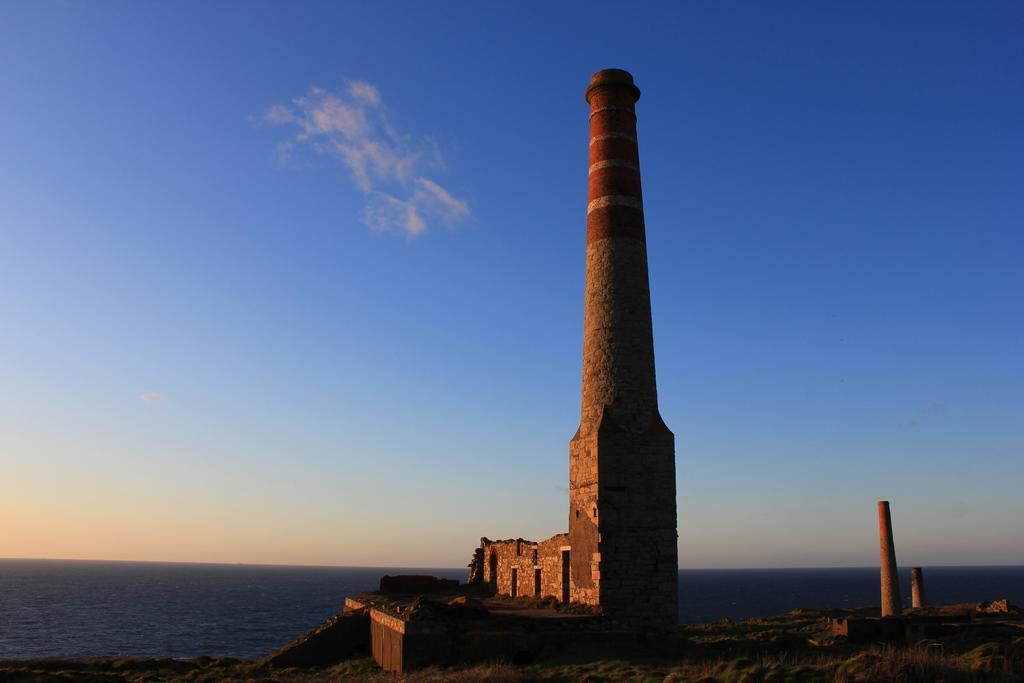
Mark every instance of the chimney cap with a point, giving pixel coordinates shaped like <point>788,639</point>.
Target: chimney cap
<point>609,78</point>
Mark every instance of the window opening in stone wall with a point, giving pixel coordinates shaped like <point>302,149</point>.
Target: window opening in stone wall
<point>515,582</point>
<point>565,576</point>
<point>494,570</point>
<point>536,582</point>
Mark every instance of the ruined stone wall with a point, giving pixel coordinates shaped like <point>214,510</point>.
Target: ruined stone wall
<point>505,557</point>
<point>523,568</point>
<point>550,557</point>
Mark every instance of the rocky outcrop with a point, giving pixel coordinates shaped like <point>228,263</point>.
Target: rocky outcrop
<point>415,584</point>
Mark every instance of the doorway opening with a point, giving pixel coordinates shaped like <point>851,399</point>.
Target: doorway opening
<point>493,562</point>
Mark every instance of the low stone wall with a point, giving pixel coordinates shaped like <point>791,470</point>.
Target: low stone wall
<point>426,633</point>
<point>911,628</point>
<point>869,629</point>
<point>387,635</point>
<point>398,645</point>
<point>352,605</point>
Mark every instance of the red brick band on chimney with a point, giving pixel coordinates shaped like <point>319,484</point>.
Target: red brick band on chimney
<point>614,198</point>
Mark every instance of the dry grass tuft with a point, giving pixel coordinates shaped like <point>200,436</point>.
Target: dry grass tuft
<point>496,673</point>
<point>921,665</point>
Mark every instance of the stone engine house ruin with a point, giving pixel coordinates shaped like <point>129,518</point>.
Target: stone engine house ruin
<point>620,552</point>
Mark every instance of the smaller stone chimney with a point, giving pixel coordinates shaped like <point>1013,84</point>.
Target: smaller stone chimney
<point>892,605</point>
<point>917,588</point>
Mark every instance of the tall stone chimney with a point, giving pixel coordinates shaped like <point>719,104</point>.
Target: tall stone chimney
<point>917,597</point>
<point>622,486</point>
<point>892,606</point>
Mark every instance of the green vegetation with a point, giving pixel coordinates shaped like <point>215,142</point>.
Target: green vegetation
<point>988,662</point>
<point>797,647</point>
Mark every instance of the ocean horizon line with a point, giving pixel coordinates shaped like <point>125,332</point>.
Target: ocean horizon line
<point>458,568</point>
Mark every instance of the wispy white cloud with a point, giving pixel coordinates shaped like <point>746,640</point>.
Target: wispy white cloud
<point>364,92</point>
<point>389,166</point>
<point>430,194</point>
<point>152,397</point>
<point>385,213</point>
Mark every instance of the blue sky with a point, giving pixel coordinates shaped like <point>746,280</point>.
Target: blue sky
<point>304,283</point>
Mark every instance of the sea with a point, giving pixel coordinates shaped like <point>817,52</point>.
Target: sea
<point>76,609</point>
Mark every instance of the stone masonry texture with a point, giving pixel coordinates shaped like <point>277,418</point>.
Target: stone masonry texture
<point>620,552</point>
<point>531,560</point>
<point>622,509</point>
<point>892,605</point>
